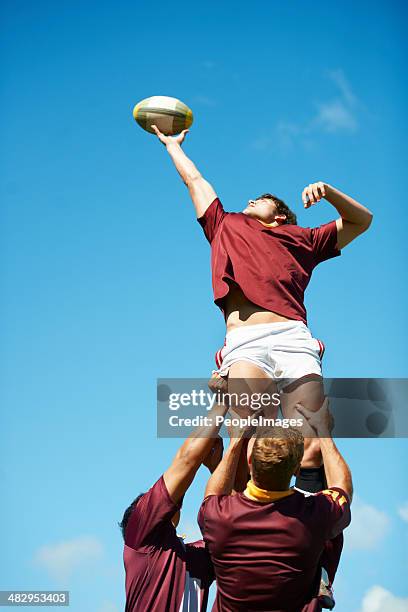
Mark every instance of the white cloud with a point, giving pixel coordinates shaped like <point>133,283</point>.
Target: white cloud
<point>403,511</point>
<point>336,114</point>
<point>378,599</point>
<point>368,527</point>
<point>63,558</point>
<point>339,78</point>
<point>339,113</point>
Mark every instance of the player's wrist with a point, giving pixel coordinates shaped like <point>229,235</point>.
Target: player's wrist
<point>328,190</point>
<point>172,144</point>
<point>324,433</point>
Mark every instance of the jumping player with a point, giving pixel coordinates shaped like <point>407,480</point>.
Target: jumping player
<point>262,262</point>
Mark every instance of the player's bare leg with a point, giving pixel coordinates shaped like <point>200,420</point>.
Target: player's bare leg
<point>309,392</point>
<point>245,379</point>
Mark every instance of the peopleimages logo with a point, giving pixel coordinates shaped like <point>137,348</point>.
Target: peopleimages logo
<point>204,399</point>
<point>241,422</point>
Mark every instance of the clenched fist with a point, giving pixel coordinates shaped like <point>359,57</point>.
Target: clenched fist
<point>313,193</point>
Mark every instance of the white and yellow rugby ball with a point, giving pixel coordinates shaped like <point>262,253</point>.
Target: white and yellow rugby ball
<point>169,114</point>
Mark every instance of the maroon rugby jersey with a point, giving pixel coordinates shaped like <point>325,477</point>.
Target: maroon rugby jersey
<point>266,556</point>
<point>162,573</point>
<point>271,265</point>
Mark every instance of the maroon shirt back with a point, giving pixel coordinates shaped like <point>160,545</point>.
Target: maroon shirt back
<point>272,266</point>
<point>266,556</point>
<point>157,561</point>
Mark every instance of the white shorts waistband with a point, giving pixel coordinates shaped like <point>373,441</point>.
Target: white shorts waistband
<point>265,328</point>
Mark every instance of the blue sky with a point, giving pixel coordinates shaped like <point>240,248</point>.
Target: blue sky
<point>105,274</point>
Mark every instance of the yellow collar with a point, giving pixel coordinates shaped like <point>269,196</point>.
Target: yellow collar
<point>262,495</point>
<point>267,224</point>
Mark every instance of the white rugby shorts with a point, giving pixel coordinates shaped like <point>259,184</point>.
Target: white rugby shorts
<point>286,351</point>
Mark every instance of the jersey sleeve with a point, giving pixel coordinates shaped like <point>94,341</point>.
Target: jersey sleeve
<point>212,219</point>
<point>201,516</point>
<point>324,242</point>
<point>199,564</point>
<point>151,511</point>
<point>334,506</point>
<point>206,510</point>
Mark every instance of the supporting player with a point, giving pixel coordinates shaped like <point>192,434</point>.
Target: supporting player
<point>262,262</point>
<point>162,572</point>
<point>257,572</point>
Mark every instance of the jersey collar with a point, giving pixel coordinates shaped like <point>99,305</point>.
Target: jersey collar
<point>269,225</point>
<point>254,493</point>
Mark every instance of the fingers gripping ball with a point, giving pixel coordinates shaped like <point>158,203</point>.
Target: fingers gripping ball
<point>170,115</point>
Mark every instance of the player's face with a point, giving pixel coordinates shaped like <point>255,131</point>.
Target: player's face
<point>263,209</point>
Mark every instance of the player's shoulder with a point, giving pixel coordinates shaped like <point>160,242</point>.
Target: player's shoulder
<point>158,491</point>
<point>219,502</point>
<point>215,499</point>
<point>237,217</point>
<point>296,230</point>
<point>159,486</point>
<point>296,233</point>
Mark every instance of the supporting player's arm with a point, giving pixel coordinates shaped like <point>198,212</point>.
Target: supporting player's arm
<point>242,474</point>
<point>202,446</point>
<point>354,217</point>
<point>222,480</point>
<point>201,192</point>
<point>228,478</point>
<point>336,469</point>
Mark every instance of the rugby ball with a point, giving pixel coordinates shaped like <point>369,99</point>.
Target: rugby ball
<point>169,114</point>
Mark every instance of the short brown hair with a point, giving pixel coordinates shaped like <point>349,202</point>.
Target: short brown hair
<point>276,455</point>
<point>282,208</point>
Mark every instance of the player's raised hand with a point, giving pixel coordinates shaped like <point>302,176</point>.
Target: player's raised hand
<point>218,384</point>
<point>215,455</point>
<point>321,421</point>
<point>313,193</point>
<point>166,140</point>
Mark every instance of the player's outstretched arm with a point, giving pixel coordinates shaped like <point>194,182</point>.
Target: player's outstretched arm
<point>354,217</point>
<point>336,469</point>
<point>204,445</point>
<point>201,192</point>
<point>223,480</point>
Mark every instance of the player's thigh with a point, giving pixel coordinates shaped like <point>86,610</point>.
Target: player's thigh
<point>308,391</point>
<point>250,389</point>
